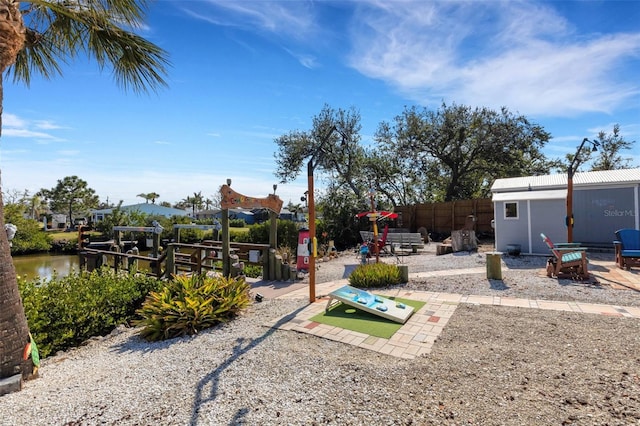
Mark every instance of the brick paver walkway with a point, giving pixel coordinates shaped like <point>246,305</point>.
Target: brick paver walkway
<point>417,335</point>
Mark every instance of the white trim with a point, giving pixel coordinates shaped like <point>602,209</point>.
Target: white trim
<point>558,194</point>
<point>504,206</point>
<point>529,225</point>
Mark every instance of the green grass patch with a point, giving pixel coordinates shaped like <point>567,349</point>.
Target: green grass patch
<point>347,317</point>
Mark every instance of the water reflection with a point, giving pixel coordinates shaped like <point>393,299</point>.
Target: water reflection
<point>44,265</point>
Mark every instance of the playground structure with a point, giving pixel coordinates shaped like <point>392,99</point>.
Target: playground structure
<point>196,258</point>
<point>376,244</point>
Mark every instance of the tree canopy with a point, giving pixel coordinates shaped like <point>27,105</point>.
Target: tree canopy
<point>610,149</point>
<point>70,194</point>
<point>457,151</point>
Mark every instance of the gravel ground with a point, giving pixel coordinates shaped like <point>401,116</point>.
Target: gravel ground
<point>491,366</point>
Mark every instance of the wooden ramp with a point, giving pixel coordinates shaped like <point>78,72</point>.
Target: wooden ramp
<point>368,302</point>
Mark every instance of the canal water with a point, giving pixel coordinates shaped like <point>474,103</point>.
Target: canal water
<point>44,265</point>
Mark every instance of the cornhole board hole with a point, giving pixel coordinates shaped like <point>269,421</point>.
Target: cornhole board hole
<point>368,302</point>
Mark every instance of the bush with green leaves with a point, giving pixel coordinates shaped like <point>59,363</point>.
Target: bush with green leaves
<point>375,275</point>
<point>237,223</point>
<point>287,233</point>
<point>29,237</point>
<point>189,304</point>
<point>65,311</point>
<point>253,271</point>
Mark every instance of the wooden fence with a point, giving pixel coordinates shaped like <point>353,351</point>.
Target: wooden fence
<point>442,218</point>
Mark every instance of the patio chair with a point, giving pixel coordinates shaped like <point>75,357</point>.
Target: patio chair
<point>568,259</point>
<point>627,248</point>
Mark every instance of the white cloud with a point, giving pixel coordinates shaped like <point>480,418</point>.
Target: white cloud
<point>520,55</point>
<point>47,125</point>
<point>18,127</point>
<point>294,19</point>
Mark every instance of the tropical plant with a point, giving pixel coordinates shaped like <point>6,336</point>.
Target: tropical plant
<point>150,196</point>
<point>63,312</point>
<point>190,304</point>
<point>35,37</point>
<point>375,275</point>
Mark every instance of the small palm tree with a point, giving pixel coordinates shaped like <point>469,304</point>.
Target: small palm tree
<point>35,37</point>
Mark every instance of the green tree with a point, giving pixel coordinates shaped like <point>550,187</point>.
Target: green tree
<point>331,150</point>
<point>459,151</point>
<point>37,206</point>
<point>330,147</point>
<point>150,196</point>
<point>71,194</point>
<point>609,155</point>
<point>36,37</point>
<point>197,201</point>
<point>29,237</point>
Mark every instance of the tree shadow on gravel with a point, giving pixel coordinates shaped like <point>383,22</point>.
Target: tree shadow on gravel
<point>525,262</point>
<point>201,397</point>
<point>348,269</point>
<point>211,380</point>
<point>498,285</point>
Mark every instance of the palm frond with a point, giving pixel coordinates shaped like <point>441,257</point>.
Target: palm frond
<point>62,30</point>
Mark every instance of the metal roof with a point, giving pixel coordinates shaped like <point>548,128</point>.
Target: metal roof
<point>147,208</point>
<point>586,179</point>
<point>557,194</point>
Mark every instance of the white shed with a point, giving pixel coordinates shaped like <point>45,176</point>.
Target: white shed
<point>603,202</point>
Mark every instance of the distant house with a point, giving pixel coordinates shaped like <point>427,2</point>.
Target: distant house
<point>246,215</point>
<point>150,209</point>
<point>249,216</point>
<point>207,214</point>
<point>603,202</point>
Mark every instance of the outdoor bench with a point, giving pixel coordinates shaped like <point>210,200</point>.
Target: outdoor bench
<point>406,240</point>
<point>627,248</point>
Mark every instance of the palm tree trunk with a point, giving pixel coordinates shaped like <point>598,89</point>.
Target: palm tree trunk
<point>14,330</point>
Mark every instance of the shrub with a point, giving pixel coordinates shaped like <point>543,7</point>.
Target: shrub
<point>375,275</point>
<point>64,312</point>
<point>253,271</point>
<point>189,304</point>
<point>237,223</point>
<point>287,233</point>
<point>29,237</point>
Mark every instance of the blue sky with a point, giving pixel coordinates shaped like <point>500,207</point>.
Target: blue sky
<point>245,72</point>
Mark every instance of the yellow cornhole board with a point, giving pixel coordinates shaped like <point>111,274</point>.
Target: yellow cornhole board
<point>368,302</point>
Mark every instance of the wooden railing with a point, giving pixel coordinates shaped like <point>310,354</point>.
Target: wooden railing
<point>182,258</point>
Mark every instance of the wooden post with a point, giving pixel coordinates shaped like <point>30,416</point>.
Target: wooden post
<point>494,267</point>
<point>569,218</point>
<point>171,261</point>
<point>226,266</point>
<point>312,234</point>
<point>404,273</point>
<point>272,265</point>
<point>265,262</point>
<point>273,230</point>
<point>277,260</point>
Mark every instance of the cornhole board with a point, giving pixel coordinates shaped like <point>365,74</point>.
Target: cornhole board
<point>368,302</point>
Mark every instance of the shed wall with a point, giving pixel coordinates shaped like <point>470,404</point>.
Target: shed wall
<point>548,217</point>
<point>535,217</point>
<point>599,213</point>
